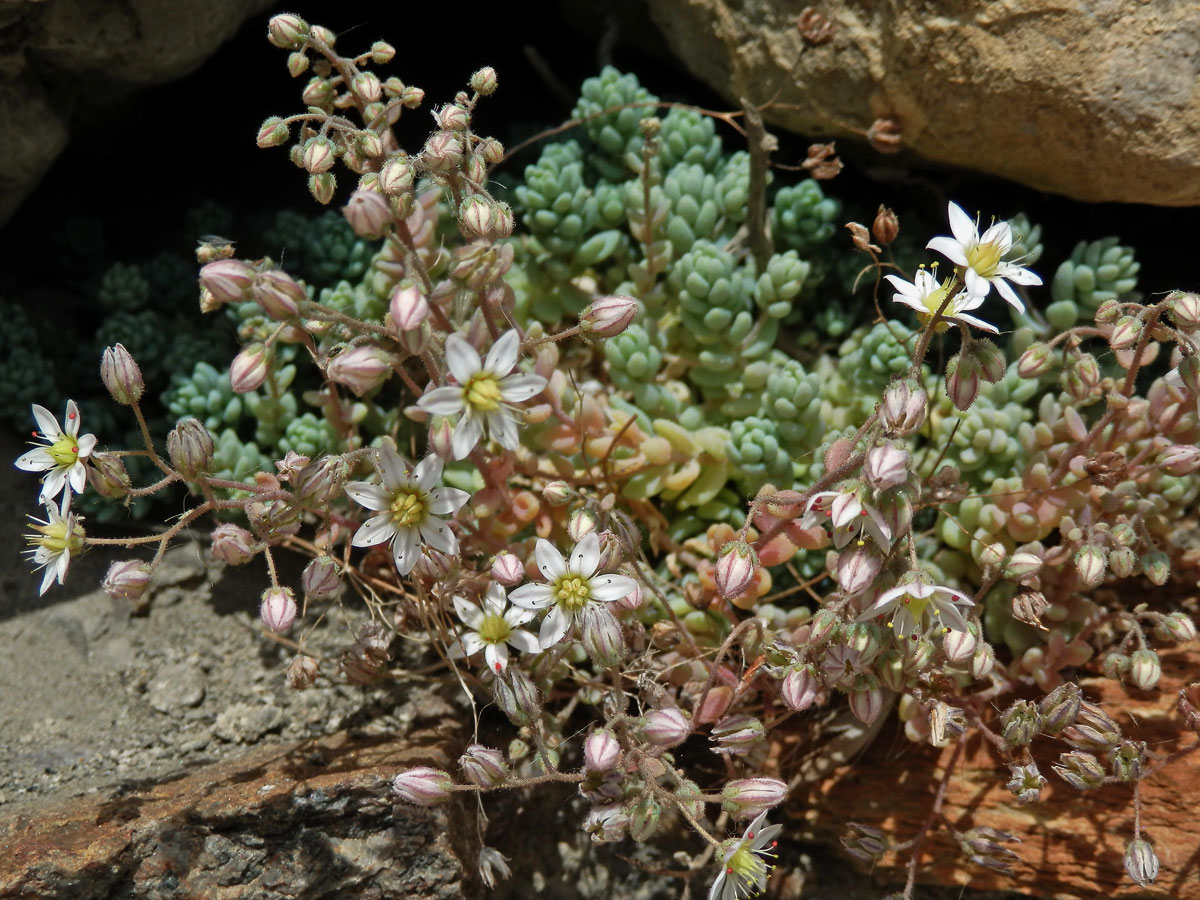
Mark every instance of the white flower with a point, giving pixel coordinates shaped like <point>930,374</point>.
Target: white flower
<point>926,295</point>
<point>485,392</point>
<point>408,505</point>
<point>983,257</point>
<point>743,870</point>
<point>571,586</point>
<point>912,601</point>
<point>62,458</point>
<point>59,536</point>
<point>490,628</point>
<point>850,518</point>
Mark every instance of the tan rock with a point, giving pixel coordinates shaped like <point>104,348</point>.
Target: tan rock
<point>1099,101</point>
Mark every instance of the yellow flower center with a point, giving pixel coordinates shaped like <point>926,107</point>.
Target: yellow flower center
<point>482,392</point>
<point>747,868</point>
<point>408,508</point>
<point>64,451</point>
<point>493,629</point>
<point>572,592</point>
<point>985,258</point>
<point>916,606</point>
<point>57,538</point>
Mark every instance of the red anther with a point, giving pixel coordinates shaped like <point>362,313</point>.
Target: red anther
<point>74,449</point>
<point>34,433</point>
<point>749,835</point>
<point>498,667</point>
<point>70,415</point>
<point>774,844</point>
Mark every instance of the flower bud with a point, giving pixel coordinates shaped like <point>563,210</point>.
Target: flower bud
<point>517,696</point>
<point>424,786</point>
<point>800,687</point>
<point>736,567</point>
<point>581,523</point>
<point>959,646</point>
<point>322,187</point>
<point>318,155</point>
<point>983,661</point>
<point>857,569</point>
<point>1080,770</point>
<point>412,97</point>
<point>368,213</point>
<point>367,87</point>
<point>608,316</point>
<point>903,408</point>
<point>601,751</point>
<point>297,65</point>
<point>992,364</point>
<point>278,609</point>
<point>278,294</point>
<point>557,493</point>
<point>963,374</point>
<point>319,482</point>
<point>508,569</point>
<point>1020,723</point>
<point>232,544</point>
<point>227,280</point>
<point>1091,563</point>
<point>190,448</point>
<point>1179,459</point>
<point>484,766</point>
<point>362,368</point>
<point>483,82</point>
<point>1184,310</point>
<point>601,635</point>
<point>1022,564</point>
<point>127,580</point>
<point>318,92</point>
<point>745,798</point>
<point>824,625</point>
<point>867,704</point>
<point>666,727</point>
<point>121,375</point>
<point>107,475</point>
<point>1157,567</point>
<point>1145,669</point>
<point>1036,361</point>
<point>736,735</point>
<point>886,226</point>
<point>249,369</point>
<point>287,32</point>
<point>1178,626</point>
<point>1141,863</point>
<point>441,437</point>
<point>886,466</point>
<point>396,176</point>
<point>443,152</point>
<point>1125,333</point>
<point>644,815</point>
<point>409,308</point>
<point>302,672</point>
<point>321,579</point>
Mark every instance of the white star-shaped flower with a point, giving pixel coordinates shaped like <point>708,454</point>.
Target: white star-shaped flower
<point>983,257</point>
<point>408,505</point>
<point>63,456</point>
<point>485,393</point>
<point>491,628</point>
<point>926,295</point>
<point>744,872</point>
<point>850,518</point>
<point>912,602</point>
<point>58,537</point>
<point>570,586</point>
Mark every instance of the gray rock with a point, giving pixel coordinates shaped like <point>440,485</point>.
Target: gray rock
<point>176,687</point>
<point>245,723</point>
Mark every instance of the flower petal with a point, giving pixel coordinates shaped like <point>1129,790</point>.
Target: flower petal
<point>86,445</point>
<point>518,388</point>
<point>54,482</point>
<point>962,225</point>
<point>554,627</point>
<point>585,558</point>
<point>517,615</point>
<point>524,641</point>
<point>978,323</point>
<point>549,561</point>
<point>608,588</point>
<point>437,534</point>
<point>1005,290</point>
<point>949,248</point>
<point>494,599</point>
<point>428,472</point>
<point>496,656</point>
<point>503,428</point>
<point>37,460</point>
<point>78,477</point>
<point>392,469</point>
<point>406,551</point>
<point>445,501</point>
<point>461,358</point>
<point>468,613</point>
<point>442,401</point>
<point>531,596</point>
<point>466,436</point>
<point>471,643</point>
<point>502,358</point>
<point>375,530</point>
<point>368,494</point>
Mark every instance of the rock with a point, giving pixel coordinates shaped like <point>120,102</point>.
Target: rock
<point>1096,101</point>
<point>176,687</point>
<point>311,820</point>
<point>67,55</point>
<point>247,722</point>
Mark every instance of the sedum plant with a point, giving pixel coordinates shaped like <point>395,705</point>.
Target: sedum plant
<point>570,448</point>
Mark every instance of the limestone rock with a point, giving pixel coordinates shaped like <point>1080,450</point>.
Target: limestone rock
<point>1098,101</point>
<point>60,55</point>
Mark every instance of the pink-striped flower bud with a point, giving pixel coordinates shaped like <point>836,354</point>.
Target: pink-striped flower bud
<point>601,751</point>
<point>412,97</point>
<point>581,523</point>
<point>441,437</point>
<point>736,735</point>
<point>396,176</point>
<point>232,544</point>
<point>1179,627</point>
<point>382,53</point>
<point>1036,361</point>
<point>517,696</point>
<point>1156,566</point>
<point>825,625</point>
<point>287,31</point>
<point>886,466</point>
<point>484,766</point>
<point>508,569</point>
<point>962,380</point>
<point>127,580</point>
<point>557,493</point>
<point>904,407</point>
<point>983,661</point>
<point>1145,668</point>
<point>297,64</point>
<point>745,798</point>
<point>409,308</point>
<point>322,578</point>
<point>278,609</point>
<point>249,369</point>
<point>227,280</point>
<point>959,646</point>
<point>443,152</point>
<point>476,216</point>
<point>666,727</point>
<point>190,448</point>
<point>644,815</point>
<point>800,687</point>
<point>279,294</point>
<point>600,635</point>
<point>867,704</point>
<point>484,81</point>
<point>108,476</point>
<point>452,117</point>
<point>1022,564</point>
<point>423,786</point>
<point>736,567</point>
<point>1179,459</point>
<point>608,316</point>
<point>121,375</point>
<point>320,481</point>
<point>322,187</point>
<point>1125,333</point>
<point>1091,563</point>
<point>318,155</point>
<point>992,364</point>
<point>1184,310</point>
<point>367,87</point>
<point>857,569</point>
<point>362,368</point>
<point>368,213</point>
<point>633,600</point>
